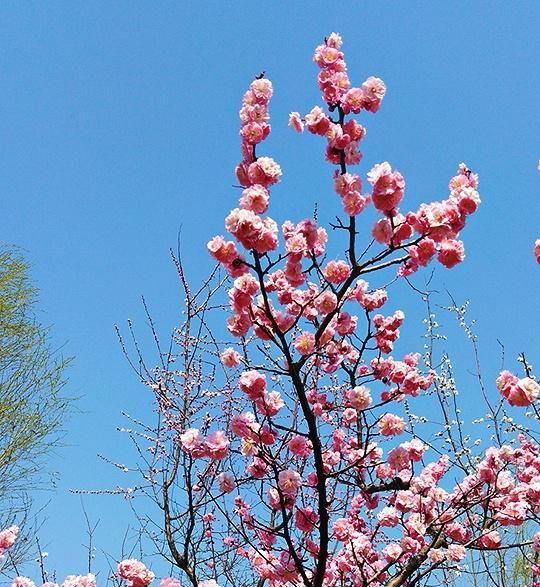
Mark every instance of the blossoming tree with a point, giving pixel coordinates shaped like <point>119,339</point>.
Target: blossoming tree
<point>293,456</point>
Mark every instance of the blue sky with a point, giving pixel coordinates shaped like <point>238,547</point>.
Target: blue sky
<point>118,124</point>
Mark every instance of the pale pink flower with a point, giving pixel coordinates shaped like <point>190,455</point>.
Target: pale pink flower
<point>358,397</point>
<point>169,582</point>
<point>437,555</point>
<point>391,425</point>
<point>217,445</point>
<point>8,537</point>
<point>336,271</point>
<point>270,403</point>
<point>456,552</point>
<point>353,100</point>
<point>341,529</point>
<point>305,343</point>
<point>242,424</point>
<point>388,516</point>
<point>289,482</point>
<point>230,358</point>
<point>373,90</point>
<point>255,198</point>
<point>257,468</point>
<point>295,122</point>
<point>326,302</point>
<point>262,88</point>
<point>22,582</point>
<point>226,483</point>
<point>222,251</point>
<point>88,580</point>
<point>192,441</point>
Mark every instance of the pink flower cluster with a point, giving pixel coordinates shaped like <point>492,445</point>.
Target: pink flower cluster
<point>343,137</point>
<point>387,330</point>
<point>537,250</point>
<point>8,537</point>
<point>518,392</point>
<point>88,580</point>
<point>135,573</point>
<point>439,223</point>
<point>331,439</point>
<point>334,81</point>
<point>404,374</point>
<point>215,446</point>
<point>256,175</point>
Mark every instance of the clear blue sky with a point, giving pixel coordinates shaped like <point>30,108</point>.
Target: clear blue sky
<point>118,123</point>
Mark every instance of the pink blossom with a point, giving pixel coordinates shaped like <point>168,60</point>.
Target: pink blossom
<point>289,482</point>
<point>388,187</point>
<point>242,424</point>
<point>518,392</point>
<point>223,251</point>
<point>391,425</point>
<point>257,468</point>
<point>347,183</point>
<point>192,441</point>
<point>230,358</point>
<point>456,552</point>
<point>537,250</point>
<point>358,397</point>
<point>217,445</point>
<point>300,446</point>
<point>264,171</point>
<point>254,132</point>
<point>336,271</point>
<point>306,519</point>
<point>489,540</point>
<point>22,582</point>
<point>253,384</point>
<point>373,90</point>
<point>262,89</point>
<point>8,537</point>
<point>226,483</point>
<point>326,302</point>
<point>251,230</point>
<point>305,343</point>
<point>353,100</point>
<point>388,516</point>
<point>295,122</point>
<point>451,252</point>
<point>341,529</point>
<point>88,580</point>
<point>135,573</point>
<point>317,122</point>
<point>169,582</point>
<point>255,198</point>
<point>270,403</point>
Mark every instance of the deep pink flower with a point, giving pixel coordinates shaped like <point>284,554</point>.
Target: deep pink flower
<point>306,519</point>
